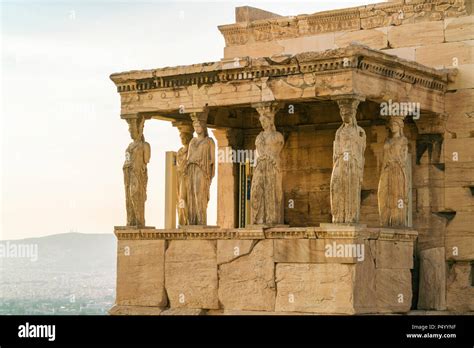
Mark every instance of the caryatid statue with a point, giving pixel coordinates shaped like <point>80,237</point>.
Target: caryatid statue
<point>200,168</point>
<point>135,173</point>
<point>348,165</point>
<point>393,184</point>
<point>185,134</point>
<point>267,192</point>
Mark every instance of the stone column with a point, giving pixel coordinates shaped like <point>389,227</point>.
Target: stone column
<point>393,188</point>
<point>171,187</point>
<point>228,140</point>
<point>348,163</point>
<point>267,186</point>
<point>200,170</point>
<point>185,134</point>
<point>137,156</point>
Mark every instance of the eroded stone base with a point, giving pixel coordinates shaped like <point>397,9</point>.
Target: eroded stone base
<point>281,270</point>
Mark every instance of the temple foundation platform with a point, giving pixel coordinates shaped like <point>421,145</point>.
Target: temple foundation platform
<point>331,269</point>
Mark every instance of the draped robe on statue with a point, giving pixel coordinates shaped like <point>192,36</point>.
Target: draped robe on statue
<point>267,194</point>
<point>181,189</point>
<point>135,173</point>
<point>346,179</point>
<point>199,173</point>
<point>393,189</point>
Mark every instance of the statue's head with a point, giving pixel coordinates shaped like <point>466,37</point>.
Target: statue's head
<point>348,110</point>
<point>200,128</point>
<point>395,124</point>
<point>267,112</point>
<point>135,127</point>
<point>200,122</point>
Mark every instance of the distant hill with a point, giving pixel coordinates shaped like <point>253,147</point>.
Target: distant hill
<point>68,252</point>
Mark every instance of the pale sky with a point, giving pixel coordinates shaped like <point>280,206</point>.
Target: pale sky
<point>62,139</point>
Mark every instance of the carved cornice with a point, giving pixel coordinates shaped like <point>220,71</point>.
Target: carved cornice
<point>289,233</point>
<point>329,21</point>
<point>354,57</point>
<point>364,17</point>
<point>203,233</point>
<point>188,232</point>
<point>403,235</point>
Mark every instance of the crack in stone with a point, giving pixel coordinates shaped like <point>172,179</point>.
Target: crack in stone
<point>254,243</point>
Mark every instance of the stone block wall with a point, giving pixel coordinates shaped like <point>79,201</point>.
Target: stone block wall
<point>264,271</point>
<point>403,26</point>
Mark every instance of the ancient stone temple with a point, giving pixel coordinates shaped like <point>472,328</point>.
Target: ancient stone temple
<point>360,196</point>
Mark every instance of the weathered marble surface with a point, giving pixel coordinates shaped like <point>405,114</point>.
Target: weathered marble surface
<point>200,169</point>
<point>393,184</point>
<point>185,134</point>
<point>135,173</point>
<point>191,279</point>
<point>348,165</point>
<point>275,270</point>
<point>267,192</point>
<point>432,288</point>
